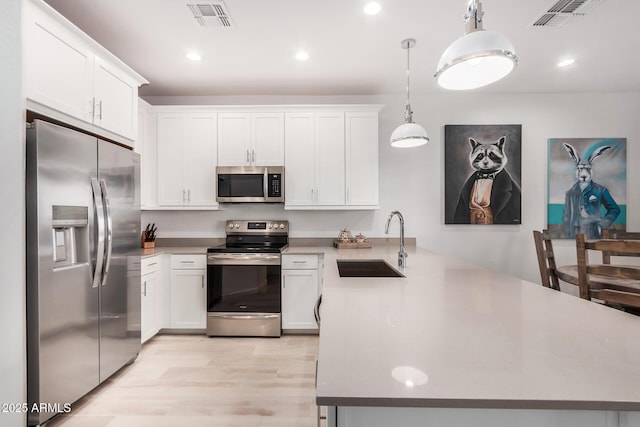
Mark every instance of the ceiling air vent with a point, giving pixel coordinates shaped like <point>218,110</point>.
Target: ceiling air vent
<point>211,14</point>
<point>565,12</point>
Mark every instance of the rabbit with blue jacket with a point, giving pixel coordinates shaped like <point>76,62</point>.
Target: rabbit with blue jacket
<point>583,201</point>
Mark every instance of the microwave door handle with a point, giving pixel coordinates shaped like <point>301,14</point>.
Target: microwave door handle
<point>109,231</point>
<point>99,210</point>
<point>266,183</point>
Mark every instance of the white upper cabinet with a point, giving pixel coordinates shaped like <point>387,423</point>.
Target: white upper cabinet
<point>314,159</point>
<point>361,160</point>
<point>251,139</point>
<point>186,153</point>
<point>115,99</point>
<point>329,154</point>
<point>331,159</point>
<point>69,77</point>
<point>299,171</point>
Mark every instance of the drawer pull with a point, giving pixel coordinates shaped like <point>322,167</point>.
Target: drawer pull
<point>187,262</point>
<point>152,264</point>
<point>299,262</point>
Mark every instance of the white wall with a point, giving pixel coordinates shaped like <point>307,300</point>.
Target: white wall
<point>12,249</point>
<point>411,180</point>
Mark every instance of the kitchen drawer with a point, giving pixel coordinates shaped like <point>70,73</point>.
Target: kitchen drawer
<point>150,264</point>
<point>188,262</point>
<point>299,262</point>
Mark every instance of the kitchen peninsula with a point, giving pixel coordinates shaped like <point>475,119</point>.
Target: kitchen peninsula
<point>455,345</point>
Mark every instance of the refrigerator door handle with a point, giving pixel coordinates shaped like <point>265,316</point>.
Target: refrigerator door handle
<point>99,209</point>
<point>109,231</point>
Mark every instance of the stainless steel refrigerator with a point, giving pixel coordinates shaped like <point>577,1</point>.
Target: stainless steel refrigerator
<point>83,264</point>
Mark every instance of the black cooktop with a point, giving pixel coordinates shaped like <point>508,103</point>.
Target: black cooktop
<point>254,237</point>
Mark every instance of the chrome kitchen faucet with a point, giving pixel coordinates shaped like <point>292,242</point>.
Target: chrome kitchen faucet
<point>402,255</point>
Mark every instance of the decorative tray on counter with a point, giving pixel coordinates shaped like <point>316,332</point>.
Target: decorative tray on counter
<point>351,244</point>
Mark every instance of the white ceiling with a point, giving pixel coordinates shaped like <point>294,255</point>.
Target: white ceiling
<point>352,53</point>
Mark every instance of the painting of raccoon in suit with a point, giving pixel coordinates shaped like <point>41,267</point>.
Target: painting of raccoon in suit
<point>482,174</point>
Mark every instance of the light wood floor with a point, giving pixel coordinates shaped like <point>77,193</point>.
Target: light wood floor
<point>195,381</point>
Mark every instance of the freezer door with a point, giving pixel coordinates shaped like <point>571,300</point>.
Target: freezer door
<point>62,303</point>
<point>119,177</point>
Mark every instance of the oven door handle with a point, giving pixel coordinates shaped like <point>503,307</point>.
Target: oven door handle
<point>252,316</point>
<point>226,259</point>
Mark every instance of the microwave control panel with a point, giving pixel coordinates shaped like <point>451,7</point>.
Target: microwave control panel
<point>275,180</point>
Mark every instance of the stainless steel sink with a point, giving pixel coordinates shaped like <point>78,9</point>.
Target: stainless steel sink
<point>366,268</point>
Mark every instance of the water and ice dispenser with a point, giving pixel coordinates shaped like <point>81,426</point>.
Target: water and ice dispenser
<point>70,235</point>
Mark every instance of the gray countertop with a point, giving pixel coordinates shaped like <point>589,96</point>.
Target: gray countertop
<point>452,334</point>
<point>177,250</point>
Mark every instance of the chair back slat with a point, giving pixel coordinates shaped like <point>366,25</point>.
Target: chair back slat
<point>612,273</point>
<point>617,271</point>
<point>618,235</point>
<point>617,297</point>
<point>546,259</point>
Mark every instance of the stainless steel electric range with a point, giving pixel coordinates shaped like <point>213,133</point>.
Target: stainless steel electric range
<point>243,280</point>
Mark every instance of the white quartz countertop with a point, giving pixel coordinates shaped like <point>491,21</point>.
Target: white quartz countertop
<point>452,334</point>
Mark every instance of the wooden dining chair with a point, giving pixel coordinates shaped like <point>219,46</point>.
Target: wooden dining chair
<point>618,235</point>
<point>546,259</point>
<point>624,289</point>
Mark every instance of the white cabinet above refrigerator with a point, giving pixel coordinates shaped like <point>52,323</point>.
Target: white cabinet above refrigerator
<point>71,78</point>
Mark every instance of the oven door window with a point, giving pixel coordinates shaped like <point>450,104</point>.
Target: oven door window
<point>240,185</point>
<point>243,288</point>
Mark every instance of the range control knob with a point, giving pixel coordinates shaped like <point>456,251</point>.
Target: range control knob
<point>230,225</point>
<point>270,226</point>
<point>282,226</point>
<point>237,226</point>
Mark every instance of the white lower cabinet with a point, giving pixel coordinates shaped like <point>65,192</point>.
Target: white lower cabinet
<point>188,291</point>
<point>301,278</point>
<point>151,298</point>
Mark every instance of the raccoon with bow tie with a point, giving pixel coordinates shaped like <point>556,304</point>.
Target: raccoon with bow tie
<point>489,195</point>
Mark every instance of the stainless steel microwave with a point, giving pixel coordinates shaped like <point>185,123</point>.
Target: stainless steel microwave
<point>250,184</point>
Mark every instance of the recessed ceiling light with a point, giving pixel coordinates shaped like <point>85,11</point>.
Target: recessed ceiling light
<point>302,55</point>
<point>372,8</point>
<point>566,62</point>
<point>194,56</point>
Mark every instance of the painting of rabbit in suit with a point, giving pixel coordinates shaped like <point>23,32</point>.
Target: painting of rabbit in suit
<point>587,180</point>
<point>482,174</point>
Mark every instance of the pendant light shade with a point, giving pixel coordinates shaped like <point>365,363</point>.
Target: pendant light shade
<point>476,59</point>
<point>409,134</point>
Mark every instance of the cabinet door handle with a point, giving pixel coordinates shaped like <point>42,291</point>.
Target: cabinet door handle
<point>189,195</point>
<point>184,195</point>
<point>92,106</point>
<point>202,277</point>
<point>348,196</point>
<point>145,288</point>
<point>253,156</point>
<point>284,282</point>
<point>100,115</point>
<point>248,159</point>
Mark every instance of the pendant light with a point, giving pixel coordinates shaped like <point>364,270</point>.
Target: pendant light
<point>478,58</point>
<point>409,134</point>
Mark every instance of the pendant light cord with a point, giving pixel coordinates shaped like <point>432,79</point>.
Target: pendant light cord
<point>408,115</point>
